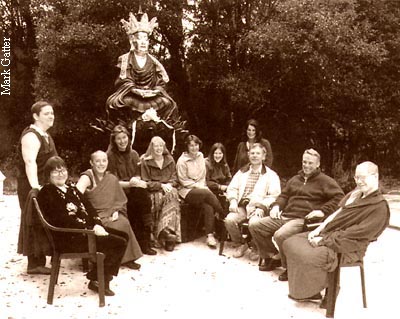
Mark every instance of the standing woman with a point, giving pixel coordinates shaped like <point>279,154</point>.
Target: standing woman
<point>124,162</point>
<point>191,169</point>
<point>36,147</point>
<point>218,174</point>
<point>253,135</point>
<point>159,172</point>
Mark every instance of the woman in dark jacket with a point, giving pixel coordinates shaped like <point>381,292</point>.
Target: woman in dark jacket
<point>218,174</point>
<point>62,206</point>
<point>159,172</point>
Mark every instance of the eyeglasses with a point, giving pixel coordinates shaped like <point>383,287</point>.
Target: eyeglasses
<point>58,172</point>
<point>362,178</point>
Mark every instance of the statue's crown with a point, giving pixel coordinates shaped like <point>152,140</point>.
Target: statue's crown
<point>144,25</point>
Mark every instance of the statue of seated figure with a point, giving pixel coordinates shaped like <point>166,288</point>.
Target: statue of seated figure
<point>142,79</point>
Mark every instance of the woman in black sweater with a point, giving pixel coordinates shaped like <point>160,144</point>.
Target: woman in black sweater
<point>62,206</point>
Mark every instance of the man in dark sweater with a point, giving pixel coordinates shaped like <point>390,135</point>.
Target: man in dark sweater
<point>309,194</point>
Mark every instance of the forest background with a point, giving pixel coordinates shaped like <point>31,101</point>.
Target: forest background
<point>315,73</point>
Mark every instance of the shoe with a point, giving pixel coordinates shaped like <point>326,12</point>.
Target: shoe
<point>211,241</point>
<point>269,265</point>
<point>167,235</point>
<point>264,261</point>
<point>94,286</point>
<point>253,255</point>
<point>156,244</point>
<point>240,251</point>
<point>149,251</point>
<point>132,265</point>
<point>316,297</point>
<point>169,245</point>
<point>39,270</point>
<point>283,276</point>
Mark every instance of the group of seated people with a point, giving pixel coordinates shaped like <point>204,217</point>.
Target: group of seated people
<point>133,202</point>
<point>276,220</point>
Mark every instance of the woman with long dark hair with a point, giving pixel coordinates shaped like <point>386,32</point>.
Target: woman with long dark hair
<point>218,174</point>
<point>253,135</point>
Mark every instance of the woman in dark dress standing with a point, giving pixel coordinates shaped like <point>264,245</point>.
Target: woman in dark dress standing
<point>36,147</point>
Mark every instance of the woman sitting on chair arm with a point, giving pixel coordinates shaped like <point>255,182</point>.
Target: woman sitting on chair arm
<point>62,206</point>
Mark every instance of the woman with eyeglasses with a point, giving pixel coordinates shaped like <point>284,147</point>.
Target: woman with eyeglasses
<point>63,206</point>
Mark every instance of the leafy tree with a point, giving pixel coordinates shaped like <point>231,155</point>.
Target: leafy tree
<point>314,64</point>
<point>17,25</point>
<point>215,58</point>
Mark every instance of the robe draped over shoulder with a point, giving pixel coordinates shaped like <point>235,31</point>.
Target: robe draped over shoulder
<point>349,233</point>
<point>106,196</point>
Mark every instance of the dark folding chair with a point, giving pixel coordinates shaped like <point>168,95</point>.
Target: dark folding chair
<point>334,284</point>
<point>92,254</point>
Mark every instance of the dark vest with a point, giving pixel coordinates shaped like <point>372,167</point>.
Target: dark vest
<point>46,150</point>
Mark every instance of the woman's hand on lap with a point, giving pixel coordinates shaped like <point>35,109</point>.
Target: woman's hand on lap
<point>166,188</point>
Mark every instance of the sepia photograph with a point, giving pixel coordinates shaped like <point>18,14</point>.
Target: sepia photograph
<point>199,159</point>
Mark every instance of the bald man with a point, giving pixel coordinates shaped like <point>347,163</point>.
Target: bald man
<point>362,216</point>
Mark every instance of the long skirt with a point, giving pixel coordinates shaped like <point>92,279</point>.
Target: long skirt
<point>32,239</point>
<point>166,212</point>
<point>132,251</point>
<point>307,266</point>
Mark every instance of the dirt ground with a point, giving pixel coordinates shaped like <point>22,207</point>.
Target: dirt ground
<point>193,281</point>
